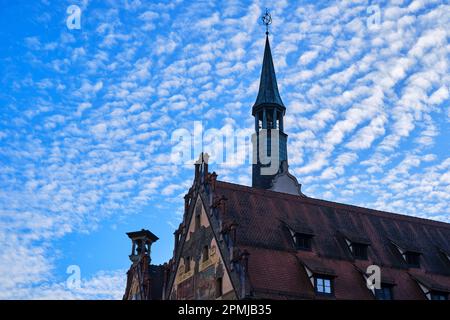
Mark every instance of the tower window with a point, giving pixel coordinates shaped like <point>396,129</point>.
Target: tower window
<point>205,253</point>
<point>323,285</point>
<point>197,221</point>
<point>302,241</point>
<point>412,259</point>
<point>384,293</point>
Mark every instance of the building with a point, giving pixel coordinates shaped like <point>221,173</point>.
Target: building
<point>270,241</point>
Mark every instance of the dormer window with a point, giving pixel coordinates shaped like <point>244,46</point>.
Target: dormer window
<point>323,284</point>
<point>437,295</point>
<point>358,250</point>
<point>301,236</point>
<point>412,259</point>
<point>357,244</point>
<point>386,288</point>
<point>433,290</point>
<point>321,277</point>
<point>411,254</point>
<point>384,293</point>
<point>302,241</point>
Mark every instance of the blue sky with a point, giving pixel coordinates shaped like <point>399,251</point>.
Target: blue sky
<point>86,118</point>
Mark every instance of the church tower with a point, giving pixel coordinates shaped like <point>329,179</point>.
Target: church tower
<point>270,161</point>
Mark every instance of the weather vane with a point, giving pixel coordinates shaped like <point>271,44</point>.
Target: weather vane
<point>267,20</point>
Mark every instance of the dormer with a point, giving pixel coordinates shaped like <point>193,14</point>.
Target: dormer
<point>301,236</point>
<point>411,254</point>
<point>432,289</point>
<point>357,244</point>
<point>321,277</point>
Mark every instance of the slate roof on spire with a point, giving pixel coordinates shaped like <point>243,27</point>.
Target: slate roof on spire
<point>268,87</point>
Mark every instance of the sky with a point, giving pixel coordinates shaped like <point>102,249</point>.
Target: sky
<point>87,117</point>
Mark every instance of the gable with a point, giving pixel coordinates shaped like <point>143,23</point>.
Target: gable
<point>285,182</point>
<point>135,291</point>
<point>201,274</point>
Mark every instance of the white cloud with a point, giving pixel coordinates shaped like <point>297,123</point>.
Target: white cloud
<point>89,140</point>
<point>439,96</point>
<point>307,57</point>
<point>207,23</point>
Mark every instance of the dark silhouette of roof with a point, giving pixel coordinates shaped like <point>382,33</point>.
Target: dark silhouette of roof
<point>143,233</point>
<point>268,87</point>
<point>277,271</point>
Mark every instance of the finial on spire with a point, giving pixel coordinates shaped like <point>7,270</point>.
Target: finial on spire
<point>267,20</point>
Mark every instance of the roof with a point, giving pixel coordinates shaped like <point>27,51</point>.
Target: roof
<point>276,270</point>
<point>268,87</point>
<point>142,234</point>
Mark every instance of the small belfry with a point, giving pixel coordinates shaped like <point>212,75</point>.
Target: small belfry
<point>144,281</point>
<point>270,140</point>
<point>141,245</point>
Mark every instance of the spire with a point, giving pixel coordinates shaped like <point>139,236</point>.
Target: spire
<point>268,87</point>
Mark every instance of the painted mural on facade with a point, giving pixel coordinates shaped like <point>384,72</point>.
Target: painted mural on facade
<point>201,273</point>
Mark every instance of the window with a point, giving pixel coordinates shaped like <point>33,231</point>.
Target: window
<point>323,285</point>
<point>412,259</point>
<point>197,221</point>
<point>302,241</point>
<point>218,287</point>
<point>436,295</point>
<point>205,253</point>
<point>384,293</point>
<point>187,264</point>
<point>359,251</point>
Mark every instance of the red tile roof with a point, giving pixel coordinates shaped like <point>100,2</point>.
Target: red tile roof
<point>276,269</point>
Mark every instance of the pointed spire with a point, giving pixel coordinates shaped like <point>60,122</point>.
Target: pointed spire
<point>268,87</point>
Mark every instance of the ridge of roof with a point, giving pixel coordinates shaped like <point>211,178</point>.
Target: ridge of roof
<point>335,205</point>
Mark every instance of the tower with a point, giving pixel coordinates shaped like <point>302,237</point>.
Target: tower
<point>142,276</point>
<point>269,112</point>
<point>141,245</point>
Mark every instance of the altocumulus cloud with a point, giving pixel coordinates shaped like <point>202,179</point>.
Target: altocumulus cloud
<point>86,116</point>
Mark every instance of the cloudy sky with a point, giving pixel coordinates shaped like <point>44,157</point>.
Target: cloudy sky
<point>87,116</point>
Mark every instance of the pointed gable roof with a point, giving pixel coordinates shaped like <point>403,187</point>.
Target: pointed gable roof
<point>268,87</point>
